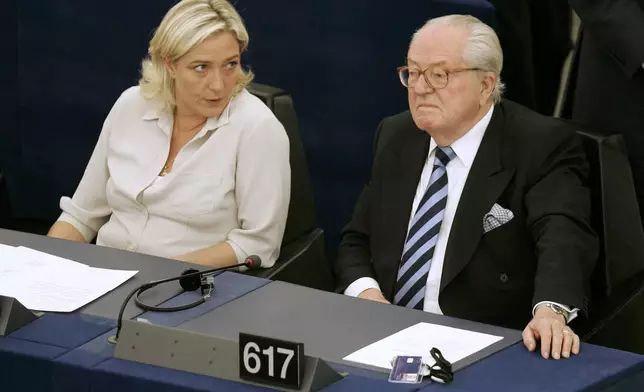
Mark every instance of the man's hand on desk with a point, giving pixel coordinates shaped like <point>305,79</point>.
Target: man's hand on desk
<point>557,339</point>
<point>373,295</point>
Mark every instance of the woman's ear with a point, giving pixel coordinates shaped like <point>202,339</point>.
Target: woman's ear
<point>170,66</point>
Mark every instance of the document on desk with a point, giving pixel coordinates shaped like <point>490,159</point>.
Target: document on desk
<point>455,344</point>
<point>48,283</point>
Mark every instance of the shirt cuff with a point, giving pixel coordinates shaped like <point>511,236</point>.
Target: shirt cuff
<point>571,313</point>
<point>360,285</point>
<point>86,231</point>
<point>241,255</point>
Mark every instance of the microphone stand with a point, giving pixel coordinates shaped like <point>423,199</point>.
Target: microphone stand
<point>249,263</point>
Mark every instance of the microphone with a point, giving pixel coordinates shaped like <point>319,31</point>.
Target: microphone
<point>190,280</point>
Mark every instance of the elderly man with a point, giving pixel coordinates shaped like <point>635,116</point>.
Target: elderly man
<point>477,207</point>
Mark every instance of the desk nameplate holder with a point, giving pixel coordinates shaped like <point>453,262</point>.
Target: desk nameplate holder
<point>13,315</point>
<point>202,354</point>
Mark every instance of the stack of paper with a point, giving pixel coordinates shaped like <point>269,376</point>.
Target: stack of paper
<point>455,344</point>
<point>49,283</point>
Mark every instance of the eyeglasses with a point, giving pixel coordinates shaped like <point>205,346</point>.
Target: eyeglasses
<point>435,77</point>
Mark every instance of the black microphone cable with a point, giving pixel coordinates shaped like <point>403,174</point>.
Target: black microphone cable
<point>190,280</point>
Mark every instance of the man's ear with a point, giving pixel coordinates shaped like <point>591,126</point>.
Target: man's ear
<point>170,66</point>
<point>488,83</point>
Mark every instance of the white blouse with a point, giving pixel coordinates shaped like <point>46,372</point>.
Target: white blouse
<point>231,182</point>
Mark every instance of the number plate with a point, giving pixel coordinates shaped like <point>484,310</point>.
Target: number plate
<point>271,361</point>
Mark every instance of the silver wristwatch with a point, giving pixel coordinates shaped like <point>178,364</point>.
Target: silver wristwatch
<point>558,310</point>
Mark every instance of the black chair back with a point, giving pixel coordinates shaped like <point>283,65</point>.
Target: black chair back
<point>617,286</point>
<point>302,259</point>
<point>301,214</point>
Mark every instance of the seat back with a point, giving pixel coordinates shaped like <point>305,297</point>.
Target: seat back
<point>302,258</point>
<point>617,283</point>
<point>301,212</point>
<point>615,212</point>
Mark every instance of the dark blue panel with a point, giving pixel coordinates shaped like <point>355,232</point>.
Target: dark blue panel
<point>116,374</point>
<point>64,330</point>
<point>26,366</point>
<point>71,371</point>
<point>75,58</point>
<point>517,369</point>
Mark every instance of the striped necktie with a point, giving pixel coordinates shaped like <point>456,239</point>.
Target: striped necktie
<point>422,236</point>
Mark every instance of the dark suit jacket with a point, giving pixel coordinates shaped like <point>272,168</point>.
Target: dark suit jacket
<point>609,94</point>
<point>533,165</point>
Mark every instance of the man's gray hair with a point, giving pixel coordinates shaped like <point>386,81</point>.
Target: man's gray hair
<point>483,49</point>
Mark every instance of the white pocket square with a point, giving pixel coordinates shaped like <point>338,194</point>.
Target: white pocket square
<point>497,217</point>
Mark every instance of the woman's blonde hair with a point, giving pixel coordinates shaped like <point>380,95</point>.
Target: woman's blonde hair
<point>185,26</point>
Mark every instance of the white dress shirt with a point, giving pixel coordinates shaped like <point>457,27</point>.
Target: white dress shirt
<point>457,171</point>
<point>230,183</point>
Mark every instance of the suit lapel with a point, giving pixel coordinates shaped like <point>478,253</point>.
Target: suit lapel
<point>404,173</point>
<point>487,179</point>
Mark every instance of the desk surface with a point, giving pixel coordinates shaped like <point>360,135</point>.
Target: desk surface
<point>42,357</point>
<point>149,267</point>
<point>330,325</point>
<point>61,352</point>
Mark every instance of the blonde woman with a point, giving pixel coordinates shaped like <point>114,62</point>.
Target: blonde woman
<point>189,165</point>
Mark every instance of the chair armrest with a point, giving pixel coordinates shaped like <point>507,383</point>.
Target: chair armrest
<point>617,321</point>
<point>301,262</point>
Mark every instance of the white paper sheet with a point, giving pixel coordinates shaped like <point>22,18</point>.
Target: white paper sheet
<point>5,250</point>
<point>53,284</point>
<point>455,344</point>
<point>8,247</point>
<point>24,263</point>
<point>40,259</point>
